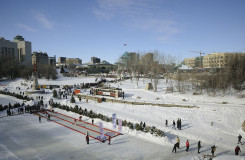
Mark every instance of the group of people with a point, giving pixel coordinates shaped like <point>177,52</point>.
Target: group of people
<point>178,123</point>
<point>213,148</point>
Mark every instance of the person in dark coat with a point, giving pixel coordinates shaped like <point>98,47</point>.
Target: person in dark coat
<point>198,146</point>
<point>187,145</point>
<point>237,149</point>
<point>213,149</point>
<point>87,138</point>
<point>175,146</point>
<point>180,124</point>
<point>144,125</point>
<point>48,117</point>
<point>166,123</point>
<point>239,139</point>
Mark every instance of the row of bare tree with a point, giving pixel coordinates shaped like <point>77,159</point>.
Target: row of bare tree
<point>153,65</point>
<point>11,69</point>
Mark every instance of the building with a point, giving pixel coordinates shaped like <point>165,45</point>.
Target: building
<point>40,58</point>
<point>8,49</point>
<point>52,61</point>
<point>194,62</point>
<point>24,50</point>
<point>75,61</point>
<point>95,60</point>
<point>220,60</point>
<point>62,60</point>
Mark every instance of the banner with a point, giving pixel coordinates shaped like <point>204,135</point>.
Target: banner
<point>119,125</point>
<point>114,121</point>
<point>101,129</point>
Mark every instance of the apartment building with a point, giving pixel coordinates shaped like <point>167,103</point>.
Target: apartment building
<point>220,60</point>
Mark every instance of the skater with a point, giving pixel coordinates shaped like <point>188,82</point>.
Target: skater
<point>39,118</point>
<point>239,139</point>
<point>166,123</point>
<point>178,141</point>
<point>187,145</point>
<point>175,146</point>
<point>109,139</point>
<point>92,121</point>
<point>213,149</point>
<point>87,138</point>
<point>198,146</point>
<point>237,149</point>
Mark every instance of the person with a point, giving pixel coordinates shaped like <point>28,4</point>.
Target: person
<point>213,149</point>
<point>39,118</point>
<point>123,95</point>
<point>237,149</point>
<point>48,117</point>
<point>187,145</point>
<point>175,146</point>
<point>144,125</point>
<point>75,121</point>
<point>173,124</point>
<point>92,121</point>
<point>80,118</point>
<point>166,123</point>
<point>87,138</point>
<point>109,140</point>
<point>239,139</point>
<point>178,141</point>
<point>180,124</point>
<point>198,146</point>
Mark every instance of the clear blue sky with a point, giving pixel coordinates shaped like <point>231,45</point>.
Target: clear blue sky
<point>86,28</point>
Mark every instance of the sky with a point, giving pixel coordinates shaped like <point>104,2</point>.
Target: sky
<point>86,28</point>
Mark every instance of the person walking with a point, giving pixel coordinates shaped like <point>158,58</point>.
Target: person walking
<point>187,145</point>
<point>178,141</point>
<point>166,123</point>
<point>239,139</point>
<point>237,149</point>
<point>39,118</point>
<point>87,138</point>
<point>180,124</point>
<point>198,146</point>
<point>175,146</point>
<point>109,140</point>
<point>213,149</point>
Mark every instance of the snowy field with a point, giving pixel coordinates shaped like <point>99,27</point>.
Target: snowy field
<point>196,125</point>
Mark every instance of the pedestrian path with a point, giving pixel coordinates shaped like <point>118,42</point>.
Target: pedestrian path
<point>79,126</point>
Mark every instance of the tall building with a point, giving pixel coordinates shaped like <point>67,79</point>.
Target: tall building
<point>24,50</point>
<point>8,49</point>
<point>191,62</point>
<point>95,60</point>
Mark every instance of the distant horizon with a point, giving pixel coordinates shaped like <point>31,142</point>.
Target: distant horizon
<point>108,28</point>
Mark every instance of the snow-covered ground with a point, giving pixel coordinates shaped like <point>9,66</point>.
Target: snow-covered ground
<point>196,123</point>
